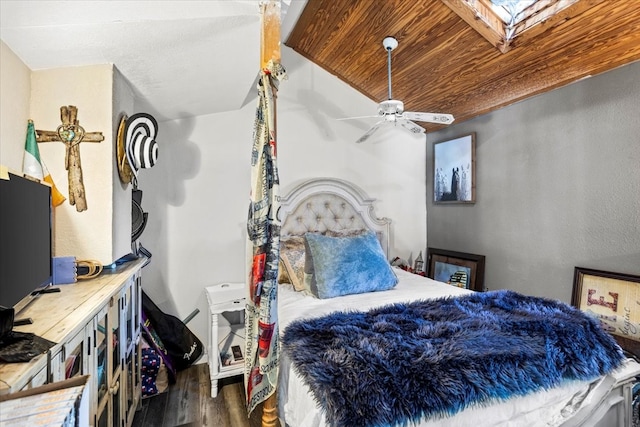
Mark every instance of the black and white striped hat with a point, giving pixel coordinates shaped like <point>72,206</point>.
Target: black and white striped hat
<point>141,146</point>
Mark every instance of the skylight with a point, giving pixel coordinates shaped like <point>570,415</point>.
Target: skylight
<point>502,21</point>
<point>511,11</point>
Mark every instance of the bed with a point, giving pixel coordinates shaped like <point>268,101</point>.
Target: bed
<point>335,216</point>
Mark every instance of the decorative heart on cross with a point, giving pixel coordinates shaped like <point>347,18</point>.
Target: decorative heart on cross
<point>70,134</point>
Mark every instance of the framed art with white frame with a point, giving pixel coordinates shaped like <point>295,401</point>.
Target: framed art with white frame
<point>454,170</point>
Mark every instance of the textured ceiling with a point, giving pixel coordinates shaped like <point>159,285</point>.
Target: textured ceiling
<point>182,58</point>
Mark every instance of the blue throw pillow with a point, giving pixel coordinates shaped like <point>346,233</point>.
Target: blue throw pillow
<point>348,265</point>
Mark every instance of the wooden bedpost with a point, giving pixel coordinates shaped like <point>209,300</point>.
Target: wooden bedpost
<point>270,51</point>
<point>270,35</point>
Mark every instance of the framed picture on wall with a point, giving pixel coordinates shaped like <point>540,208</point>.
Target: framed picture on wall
<point>454,170</point>
<point>456,268</point>
<point>613,299</point>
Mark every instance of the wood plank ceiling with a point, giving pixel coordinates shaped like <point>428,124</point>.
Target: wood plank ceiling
<point>443,65</point>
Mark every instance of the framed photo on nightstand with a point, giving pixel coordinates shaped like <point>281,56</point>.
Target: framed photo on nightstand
<point>459,269</point>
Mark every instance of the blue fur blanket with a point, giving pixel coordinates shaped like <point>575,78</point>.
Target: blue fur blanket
<point>402,362</point>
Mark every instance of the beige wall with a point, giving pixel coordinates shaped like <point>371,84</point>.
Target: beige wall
<point>103,231</point>
<point>89,234</point>
<point>15,87</point>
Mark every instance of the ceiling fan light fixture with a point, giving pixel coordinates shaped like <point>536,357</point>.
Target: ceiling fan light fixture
<point>390,43</point>
<point>391,106</point>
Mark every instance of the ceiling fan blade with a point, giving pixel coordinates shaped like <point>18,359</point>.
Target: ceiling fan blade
<point>358,117</point>
<point>391,109</point>
<point>411,127</point>
<point>440,118</point>
<point>370,132</point>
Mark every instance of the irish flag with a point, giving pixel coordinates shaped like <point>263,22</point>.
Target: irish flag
<point>33,166</point>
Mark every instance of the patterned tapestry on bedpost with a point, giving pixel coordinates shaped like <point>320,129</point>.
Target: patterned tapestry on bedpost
<point>263,227</point>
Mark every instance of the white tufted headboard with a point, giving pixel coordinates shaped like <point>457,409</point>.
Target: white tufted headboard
<point>323,204</point>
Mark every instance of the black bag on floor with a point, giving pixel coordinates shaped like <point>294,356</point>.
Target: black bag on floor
<point>182,345</point>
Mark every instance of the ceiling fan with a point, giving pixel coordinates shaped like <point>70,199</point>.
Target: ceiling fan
<point>392,110</point>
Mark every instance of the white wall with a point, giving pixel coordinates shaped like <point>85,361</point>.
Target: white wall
<point>197,195</point>
<point>122,104</point>
<point>558,186</point>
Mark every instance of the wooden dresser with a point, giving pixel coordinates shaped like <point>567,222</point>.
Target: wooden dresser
<point>96,327</point>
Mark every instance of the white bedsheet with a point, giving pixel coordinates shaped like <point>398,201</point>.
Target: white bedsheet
<point>298,409</point>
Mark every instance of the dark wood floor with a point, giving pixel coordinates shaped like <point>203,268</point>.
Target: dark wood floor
<point>188,403</point>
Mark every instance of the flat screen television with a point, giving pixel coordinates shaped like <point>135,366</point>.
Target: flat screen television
<point>26,241</point>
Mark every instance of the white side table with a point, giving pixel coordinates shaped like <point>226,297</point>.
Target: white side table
<point>226,331</point>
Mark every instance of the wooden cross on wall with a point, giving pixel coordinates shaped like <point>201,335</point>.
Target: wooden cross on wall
<point>71,134</point>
